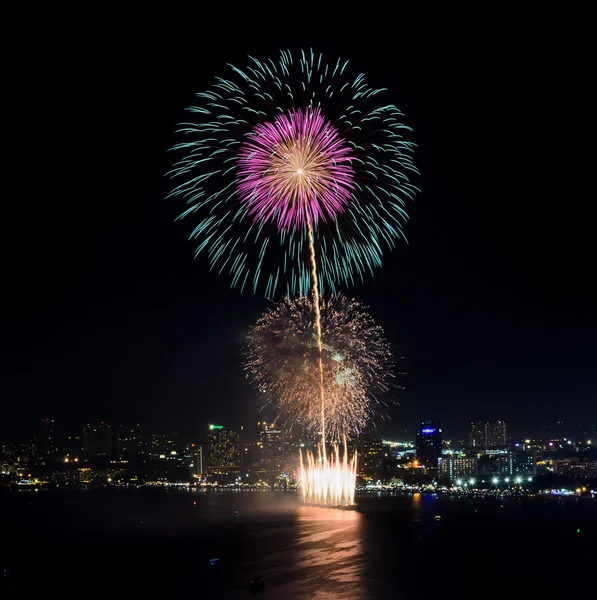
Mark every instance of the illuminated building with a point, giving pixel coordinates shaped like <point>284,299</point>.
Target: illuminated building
<point>503,464</point>
<point>271,449</point>
<point>523,463</point>
<point>97,440</point>
<point>130,440</point>
<point>495,462</point>
<point>488,435</point>
<point>292,445</point>
<point>429,443</point>
<point>457,467</point>
<point>198,453</point>
<point>47,441</point>
<point>478,434</point>
<point>507,462</point>
<point>251,461</point>
<point>370,456</point>
<point>164,445</point>
<point>224,450</point>
<point>497,435</point>
<point>575,467</point>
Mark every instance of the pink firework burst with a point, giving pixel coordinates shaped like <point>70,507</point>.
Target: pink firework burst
<point>295,170</point>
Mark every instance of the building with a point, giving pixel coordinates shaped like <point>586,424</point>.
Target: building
<point>429,443</point>
<point>47,437</point>
<point>293,446</point>
<point>478,434</point>
<point>503,464</point>
<point>271,449</point>
<point>369,452</point>
<point>576,467</point>
<point>523,463</point>
<point>495,462</point>
<point>488,435</point>
<point>97,440</point>
<point>130,441</point>
<point>496,435</point>
<point>164,445</point>
<point>459,467</point>
<point>199,453</point>
<point>224,451</point>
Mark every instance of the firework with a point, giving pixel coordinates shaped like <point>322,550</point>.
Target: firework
<point>353,368</point>
<point>330,482</point>
<point>286,150</point>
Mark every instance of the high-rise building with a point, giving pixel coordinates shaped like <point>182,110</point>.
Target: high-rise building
<point>293,445</point>
<point>97,440</point>
<point>497,436</point>
<point>199,456</point>
<point>224,450</point>
<point>130,441</point>
<point>369,451</point>
<point>478,434</point>
<point>271,446</point>
<point>488,435</point>
<point>429,443</point>
<point>47,436</point>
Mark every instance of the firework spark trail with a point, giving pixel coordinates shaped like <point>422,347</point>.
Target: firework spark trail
<point>317,330</point>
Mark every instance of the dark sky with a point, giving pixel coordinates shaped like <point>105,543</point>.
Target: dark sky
<point>108,316</point>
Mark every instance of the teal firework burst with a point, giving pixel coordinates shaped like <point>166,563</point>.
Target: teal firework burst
<point>283,147</point>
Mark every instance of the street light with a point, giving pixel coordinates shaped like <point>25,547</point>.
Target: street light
<point>472,482</point>
<point>495,481</point>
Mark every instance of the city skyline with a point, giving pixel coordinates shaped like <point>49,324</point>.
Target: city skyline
<point>263,454</point>
<point>45,432</point>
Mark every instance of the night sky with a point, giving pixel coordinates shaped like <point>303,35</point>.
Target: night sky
<point>108,316</point>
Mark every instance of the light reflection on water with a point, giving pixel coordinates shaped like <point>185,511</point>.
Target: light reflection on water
<point>322,560</point>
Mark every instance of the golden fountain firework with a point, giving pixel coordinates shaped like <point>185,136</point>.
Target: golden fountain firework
<point>328,481</point>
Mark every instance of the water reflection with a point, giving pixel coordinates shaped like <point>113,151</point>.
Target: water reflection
<point>322,558</point>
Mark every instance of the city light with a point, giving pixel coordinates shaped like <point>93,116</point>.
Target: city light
<point>495,480</point>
